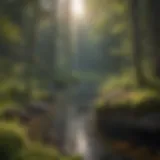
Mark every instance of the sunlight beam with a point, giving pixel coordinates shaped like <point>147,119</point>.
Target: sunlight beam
<point>77,8</point>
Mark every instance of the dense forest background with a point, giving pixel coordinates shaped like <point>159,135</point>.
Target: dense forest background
<point>110,56</point>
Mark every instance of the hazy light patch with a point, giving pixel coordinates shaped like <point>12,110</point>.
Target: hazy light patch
<point>81,142</point>
<point>77,8</point>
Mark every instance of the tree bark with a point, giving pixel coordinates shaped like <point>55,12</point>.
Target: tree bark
<point>155,34</point>
<point>137,42</point>
<point>68,37</point>
<point>30,40</point>
<point>54,23</point>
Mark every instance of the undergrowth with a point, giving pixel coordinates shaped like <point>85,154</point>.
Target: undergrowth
<point>121,91</point>
<point>15,145</point>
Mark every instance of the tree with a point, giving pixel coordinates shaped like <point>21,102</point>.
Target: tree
<point>112,28</point>
<point>11,37</point>
<point>137,41</point>
<point>30,42</point>
<point>128,31</point>
<point>153,9</point>
<point>68,36</point>
<point>54,23</point>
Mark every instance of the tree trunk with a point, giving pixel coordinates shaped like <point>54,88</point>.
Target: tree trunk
<point>50,117</point>
<point>68,37</point>
<point>137,42</point>
<point>30,40</point>
<point>155,34</point>
<point>54,23</point>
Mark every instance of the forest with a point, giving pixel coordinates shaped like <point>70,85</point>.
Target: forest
<point>68,65</point>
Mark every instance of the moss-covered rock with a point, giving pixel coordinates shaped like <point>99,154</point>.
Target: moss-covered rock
<point>137,99</point>
<point>15,145</point>
<point>12,141</point>
<point>126,113</point>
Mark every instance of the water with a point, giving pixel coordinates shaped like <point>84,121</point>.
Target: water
<point>81,138</point>
<point>83,141</point>
<point>80,135</point>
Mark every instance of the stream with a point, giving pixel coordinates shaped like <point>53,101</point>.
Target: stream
<point>80,135</point>
<point>77,128</point>
<point>81,139</point>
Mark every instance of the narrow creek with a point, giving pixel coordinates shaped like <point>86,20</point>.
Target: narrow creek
<point>81,140</point>
<point>80,135</point>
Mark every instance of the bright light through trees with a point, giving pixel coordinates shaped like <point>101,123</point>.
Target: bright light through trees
<point>78,8</point>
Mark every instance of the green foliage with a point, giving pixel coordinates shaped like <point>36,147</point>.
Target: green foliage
<point>121,91</point>
<point>118,81</point>
<point>12,140</point>
<point>15,145</point>
<point>114,83</point>
<point>110,16</point>
<point>39,152</point>
<point>135,98</point>
<point>10,38</point>
<point>147,100</point>
<point>111,28</point>
<point>9,30</point>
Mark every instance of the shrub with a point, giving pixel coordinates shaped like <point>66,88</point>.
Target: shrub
<point>14,145</point>
<point>12,141</point>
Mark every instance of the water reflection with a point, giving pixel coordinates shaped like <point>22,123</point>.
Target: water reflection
<point>80,140</point>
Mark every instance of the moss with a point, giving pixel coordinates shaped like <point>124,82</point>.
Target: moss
<point>123,80</point>
<point>75,157</point>
<point>15,145</point>
<point>134,99</point>
<point>39,152</point>
<point>121,91</point>
<point>12,141</point>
